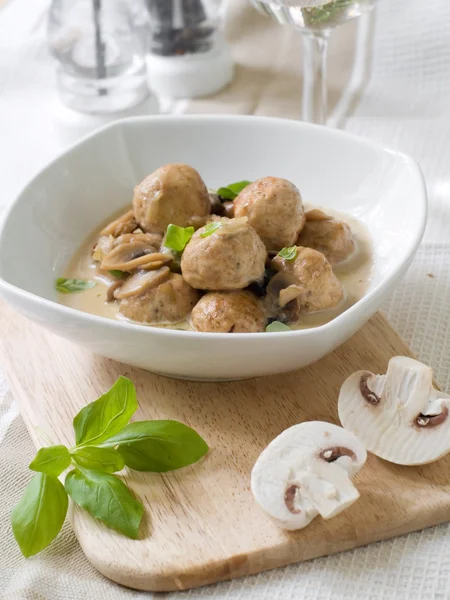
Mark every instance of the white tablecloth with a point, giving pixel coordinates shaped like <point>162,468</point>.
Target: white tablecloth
<point>406,104</point>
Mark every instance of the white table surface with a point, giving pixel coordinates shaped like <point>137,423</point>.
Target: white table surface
<point>406,105</point>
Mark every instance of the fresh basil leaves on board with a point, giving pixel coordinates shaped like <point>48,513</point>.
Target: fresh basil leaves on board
<point>105,443</point>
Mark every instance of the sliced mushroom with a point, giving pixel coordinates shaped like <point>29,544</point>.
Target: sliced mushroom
<point>399,416</point>
<point>103,246</point>
<point>282,289</point>
<point>107,243</point>
<point>112,289</point>
<point>133,255</point>
<point>288,294</point>
<point>126,223</point>
<point>152,239</point>
<point>307,471</point>
<point>140,282</point>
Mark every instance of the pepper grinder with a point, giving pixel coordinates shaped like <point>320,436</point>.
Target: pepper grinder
<point>188,55</point>
<point>100,46</point>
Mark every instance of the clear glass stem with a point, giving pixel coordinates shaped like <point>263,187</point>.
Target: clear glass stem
<point>315,47</point>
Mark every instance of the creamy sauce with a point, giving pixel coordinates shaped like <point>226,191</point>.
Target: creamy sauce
<point>355,275</point>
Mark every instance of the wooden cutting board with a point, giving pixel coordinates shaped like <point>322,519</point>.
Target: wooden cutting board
<point>201,524</point>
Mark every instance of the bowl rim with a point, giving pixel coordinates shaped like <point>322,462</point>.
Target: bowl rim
<point>123,325</point>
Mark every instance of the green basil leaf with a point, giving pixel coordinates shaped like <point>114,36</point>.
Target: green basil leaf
<point>52,460</point>
<point>288,253</point>
<point>107,498</point>
<point>277,326</point>
<point>106,416</point>
<point>67,286</point>
<point>210,228</point>
<point>39,515</point>
<point>158,445</point>
<point>178,237</point>
<point>118,274</point>
<point>231,191</point>
<point>98,459</point>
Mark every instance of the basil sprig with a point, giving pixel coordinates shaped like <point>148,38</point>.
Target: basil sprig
<point>231,191</point>
<point>288,253</point>
<point>67,286</point>
<point>118,274</point>
<point>277,326</point>
<point>178,237</point>
<point>210,228</point>
<point>105,443</point>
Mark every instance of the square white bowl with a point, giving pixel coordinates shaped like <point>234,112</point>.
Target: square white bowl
<point>93,179</point>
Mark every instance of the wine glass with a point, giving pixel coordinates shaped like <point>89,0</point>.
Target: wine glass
<point>315,19</point>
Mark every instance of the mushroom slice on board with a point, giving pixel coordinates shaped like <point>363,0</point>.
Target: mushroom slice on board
<point>307,471</point>
<point>399,416</point>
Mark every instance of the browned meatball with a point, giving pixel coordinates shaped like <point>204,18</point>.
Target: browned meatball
<point>327,235</point>
<point>172,194</point>
<point>229,312</point>
<point>230,258</point>
<point>274,208</point>
<point>169,302</point>
<point>310,282</point>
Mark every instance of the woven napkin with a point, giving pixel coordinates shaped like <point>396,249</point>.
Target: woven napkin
<point>404,105</point>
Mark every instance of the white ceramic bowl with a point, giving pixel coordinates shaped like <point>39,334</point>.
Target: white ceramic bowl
<point>95,178</point>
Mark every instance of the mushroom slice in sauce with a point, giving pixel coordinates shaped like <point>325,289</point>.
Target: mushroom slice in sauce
<point>107,243</point>
<point>281,289</point>
<point>152,239</point>
<point>307,471</point>
<point>140,282</point>
<point>111,290</point>
<point>126,223</point>
<point>133,255</point>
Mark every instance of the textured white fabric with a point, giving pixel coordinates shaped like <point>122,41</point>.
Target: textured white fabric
<point>405,105</point>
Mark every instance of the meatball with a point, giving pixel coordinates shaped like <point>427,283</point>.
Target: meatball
<point>229,258</point>
<point>327,235</point>
<point>311,284</point>
<point>172,194</point>
<point>274,208</point>
<point>169,302</point>
<point>229,312</point>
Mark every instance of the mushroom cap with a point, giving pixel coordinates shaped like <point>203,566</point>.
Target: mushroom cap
<point>174,193</point>
<point>318,287</point>
<point>399,416</point>
<point>229,259</point>
<point>169,302</point>
<point>274,208</point>
<point>229,312</point>
<point>329,236</point>
<point>307,471</point>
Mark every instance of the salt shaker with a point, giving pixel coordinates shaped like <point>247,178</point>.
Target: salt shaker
<point>188,55</point>
<point>101,49</point>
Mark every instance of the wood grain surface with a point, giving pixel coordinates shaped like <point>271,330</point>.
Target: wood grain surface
<point>201,524</point>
